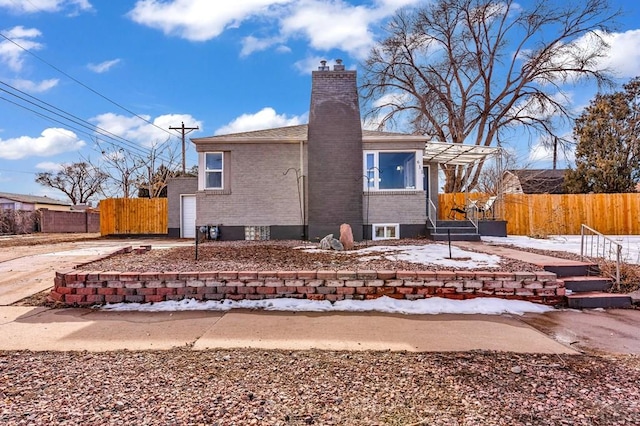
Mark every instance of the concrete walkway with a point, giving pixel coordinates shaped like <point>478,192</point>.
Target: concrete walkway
<point>42,329</point>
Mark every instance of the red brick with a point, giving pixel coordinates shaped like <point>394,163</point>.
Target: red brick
<point>373,296</point>
<point>165,291</point>
<point>326,275</point>
<point>386,274</point>
<point>305,290</point>
<point>266,290</point>
<point>427,291</point>
<point>248,275</point>
<point>65,290</point>
<point>365,274</point>
<point>129,276</point>
<point>126,291</point>
<point>146,291</point>
<point>405,290</point>
<point>272,282</point>
<point>70,278</point>
<point>227,275</point>
<point>543,276</point>
<point>426,275</point>
<point>307,275</point>
<point>398,296</point>
<point>149,276</point>
<point>334,297</point>
<point>285,290</point>
<point>512,284</point>
<point>454,296</point>
<point>484,275</point>
<point>153,298</point>
<point>75,298</point>
<point>267,274</point>
<point>545,291</point>
<point>504,291</point>
<point>445,275</point>
<point>492,284</point>
<point>109,276</point>
<point>246,290</point>
<point>326,290</point>
<point>466,275</point>
<point>287,275</point>
<point>107,291</point>
<point>445,291</point>
<point>168,276</point>
<point>85,291</point>
<point>385,290</point>
<point>95,298</point>
<point>55,296</point>
<point>208,275</point>
<point>134,298</point>
<point>114,298</point>
<point>189,275</point>
<point>504,276</point>
<point>345,290</point>
<point>524,292</point>
<point>346,275</point>
<point>406,275</point>
<point>365,290</point>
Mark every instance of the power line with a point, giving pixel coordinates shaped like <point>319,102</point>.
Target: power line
<point>68,116</point>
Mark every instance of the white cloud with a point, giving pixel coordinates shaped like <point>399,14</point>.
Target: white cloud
<point>266,118</point>
<point>34,6</point>
<point>198,20</point>
<point>52,141</point>
<point>103,66</point>
<point>49,166</point>
<point>140,131</point>
<point>10,53</point>
<point>325,24</point>
<point>623,57</point>
<point>35,87</point>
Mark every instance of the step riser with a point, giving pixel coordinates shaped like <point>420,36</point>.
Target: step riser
<point>455,237</point>
<point>590,285</point>
<point>601,302</point>
<point>569,271</point>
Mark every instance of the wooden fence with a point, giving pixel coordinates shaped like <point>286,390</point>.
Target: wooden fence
<point>546,214</point>
<point>142,216</point>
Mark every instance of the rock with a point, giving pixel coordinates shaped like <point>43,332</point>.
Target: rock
<point>336,245</point>
<point>516,370</point>
<point>325,243</point>
<point>346,236</point>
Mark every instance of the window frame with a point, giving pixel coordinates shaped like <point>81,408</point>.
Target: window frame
<point>207,170</point>
<point>371,170</point>
<point>395,226</point>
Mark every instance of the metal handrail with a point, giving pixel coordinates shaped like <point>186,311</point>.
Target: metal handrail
<point>587,236</point>
<point>433,215</point>
<point>472,213</point>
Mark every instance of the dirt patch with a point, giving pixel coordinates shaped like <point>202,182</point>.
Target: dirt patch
<point>282,255</point>
<point>40,239</point>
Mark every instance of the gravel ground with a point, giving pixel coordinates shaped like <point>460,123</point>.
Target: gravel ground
<point>257,387</point>
<point>273,255</point>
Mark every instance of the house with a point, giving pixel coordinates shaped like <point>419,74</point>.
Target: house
<point>9,201</point>
<point>303,182</point>
<point>534,181</point>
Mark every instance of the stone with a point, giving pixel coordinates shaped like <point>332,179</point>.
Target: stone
<point>336,245</point>
<point>346,236</point>
<point>325,243</point>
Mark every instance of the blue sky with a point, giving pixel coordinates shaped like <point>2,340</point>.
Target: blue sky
<point>221,66</point>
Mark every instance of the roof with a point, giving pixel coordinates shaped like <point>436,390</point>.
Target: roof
<point>32,199</point>
<point>435,152</point>
<point>540,181</point>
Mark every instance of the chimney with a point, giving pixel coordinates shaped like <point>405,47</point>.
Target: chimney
<point>334,153</point>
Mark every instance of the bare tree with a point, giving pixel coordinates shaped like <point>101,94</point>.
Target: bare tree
<point>79,181</point>
<point>468,71</point>
<point>158,167</point>
<point>123,168</point>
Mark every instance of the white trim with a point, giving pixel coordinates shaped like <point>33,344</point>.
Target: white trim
<point>374,172</point>
<point>205,170</point>
<point>396,227</point>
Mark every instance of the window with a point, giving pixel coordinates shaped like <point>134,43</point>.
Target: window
<point>392,170</point>
<point>386,231</point>
<point>213,178</point>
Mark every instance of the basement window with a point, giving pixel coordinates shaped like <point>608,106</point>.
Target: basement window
<point>385,231</point>
<point>257,233</point>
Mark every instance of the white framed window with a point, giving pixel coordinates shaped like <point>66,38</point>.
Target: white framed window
<point>385,231</point>
<point>213,170</point>
<point>392,170</point>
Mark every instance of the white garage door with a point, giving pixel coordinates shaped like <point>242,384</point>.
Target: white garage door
<point>188,216</point>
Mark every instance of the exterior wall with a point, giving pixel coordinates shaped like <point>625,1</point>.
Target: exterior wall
<point>16,205</point>
<point>335,154</point>
<point>395,207</point>
<point>88,288</point>
<point>256,190</point>
<point>69,221</point>
<point>175,188</point>
<point>55,207</point>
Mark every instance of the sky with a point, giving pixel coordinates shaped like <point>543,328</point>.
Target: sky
<point>135,68</point>
<point>432,254</point>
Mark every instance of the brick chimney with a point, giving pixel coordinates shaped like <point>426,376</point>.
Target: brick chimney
<point>334,153</point>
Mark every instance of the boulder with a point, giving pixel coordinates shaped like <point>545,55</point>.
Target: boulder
<point>346,236</point>
<point>325,243</point>
<point>336,245</point>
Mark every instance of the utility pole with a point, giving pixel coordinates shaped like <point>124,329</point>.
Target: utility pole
<point>184,131</point>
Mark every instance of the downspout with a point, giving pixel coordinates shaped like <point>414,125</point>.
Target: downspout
<point>301,184</point>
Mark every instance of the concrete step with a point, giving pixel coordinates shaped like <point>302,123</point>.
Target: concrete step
<point>583,284</point>
<point>596,299</point>
<point>571,268</point>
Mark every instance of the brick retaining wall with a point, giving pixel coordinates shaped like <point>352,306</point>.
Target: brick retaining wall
<point>84,288</point>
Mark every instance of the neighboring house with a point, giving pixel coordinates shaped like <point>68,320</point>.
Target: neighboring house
<point>9,201</point>
<point>303,182</point>
<point>534,181</point>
